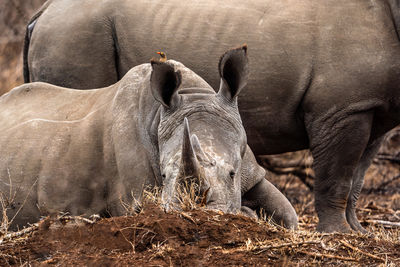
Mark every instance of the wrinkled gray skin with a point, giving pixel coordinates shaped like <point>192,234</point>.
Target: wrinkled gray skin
<point>325,75</point>
<point>87,152</point>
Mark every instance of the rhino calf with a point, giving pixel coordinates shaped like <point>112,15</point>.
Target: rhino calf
<point>85,152</point>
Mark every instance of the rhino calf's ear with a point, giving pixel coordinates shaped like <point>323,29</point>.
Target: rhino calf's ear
<point>164,82</point>
<point>234,71</point>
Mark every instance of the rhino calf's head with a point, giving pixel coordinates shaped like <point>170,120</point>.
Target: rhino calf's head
<point>201,136</point>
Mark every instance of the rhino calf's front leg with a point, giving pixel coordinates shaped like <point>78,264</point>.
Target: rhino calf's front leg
<point>265,196</point>
<point>259,194</point>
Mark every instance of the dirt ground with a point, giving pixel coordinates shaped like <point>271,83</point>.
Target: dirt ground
<point>197,237</point>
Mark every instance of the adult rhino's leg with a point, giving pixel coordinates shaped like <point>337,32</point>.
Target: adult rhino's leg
<point>358,180</point>
<point>259,194</point>
<point>337,142</point>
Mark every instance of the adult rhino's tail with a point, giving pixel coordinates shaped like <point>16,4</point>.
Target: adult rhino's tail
<point>395,13</point>
<point>28,34</point>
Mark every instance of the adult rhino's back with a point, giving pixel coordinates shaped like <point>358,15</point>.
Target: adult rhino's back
<point>196,32</point>
<point>64,24</point>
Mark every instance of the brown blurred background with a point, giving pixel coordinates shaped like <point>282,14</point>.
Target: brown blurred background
<point>14,16</point>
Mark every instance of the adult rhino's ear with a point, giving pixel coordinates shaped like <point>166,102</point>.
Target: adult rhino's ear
<point>164,82</point>
<point>234,72</point>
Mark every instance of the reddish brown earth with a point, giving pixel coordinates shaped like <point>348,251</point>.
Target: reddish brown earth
<point>207,238</point>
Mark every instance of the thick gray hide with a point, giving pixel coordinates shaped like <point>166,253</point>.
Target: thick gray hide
<point>87,152</point>
<point>324,74</point>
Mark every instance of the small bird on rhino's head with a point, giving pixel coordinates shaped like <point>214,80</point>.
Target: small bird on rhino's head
<point>163,56</point>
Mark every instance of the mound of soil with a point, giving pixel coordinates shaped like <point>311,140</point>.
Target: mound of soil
<point>197,237</point>
<point>152,236</point>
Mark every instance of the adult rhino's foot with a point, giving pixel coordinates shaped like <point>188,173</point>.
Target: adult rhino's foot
<point>331,228</point>
<point>330,224</point>
<point>332,219</point>
<point>354,223</point>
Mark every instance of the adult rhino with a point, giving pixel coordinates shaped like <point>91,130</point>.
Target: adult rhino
<point>325,74</point>
<point>86,152</point>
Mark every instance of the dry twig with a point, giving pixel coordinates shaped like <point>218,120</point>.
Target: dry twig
<point>394,224</point>
<point>360,251</point>
<point>319,255</point>
<point>187,217</point>
<point>386,157</point>
<point>24,231</point>
<point>79,219</point>
<point>292,244</point>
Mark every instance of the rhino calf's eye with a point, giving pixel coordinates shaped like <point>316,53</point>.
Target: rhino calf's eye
<point>163,176</point>
<point>232,174</point>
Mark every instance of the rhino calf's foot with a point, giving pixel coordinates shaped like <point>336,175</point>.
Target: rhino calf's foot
<point>248,212</point>
<point>265,197</point>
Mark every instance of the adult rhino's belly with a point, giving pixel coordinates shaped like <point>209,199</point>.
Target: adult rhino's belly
<point>271,111</point>
<point>271,132</point>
